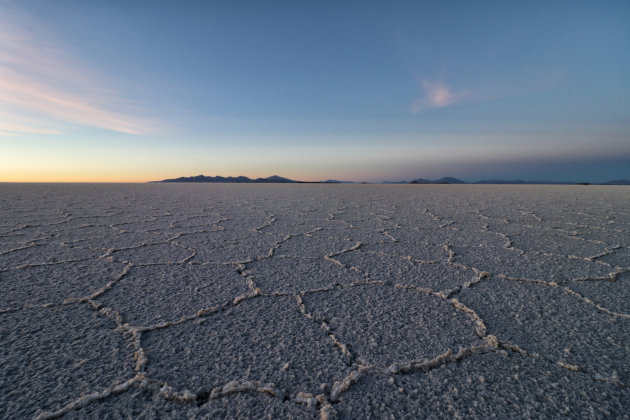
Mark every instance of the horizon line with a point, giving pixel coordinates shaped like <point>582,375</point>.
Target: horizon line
<point>486,181</point>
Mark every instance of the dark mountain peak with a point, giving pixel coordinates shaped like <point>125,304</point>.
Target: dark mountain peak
<point>445,180</point>
<point>275,178</point>
<point>449,180</point>
<point>421,181</point>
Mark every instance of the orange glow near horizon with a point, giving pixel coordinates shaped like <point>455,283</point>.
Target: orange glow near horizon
<point>70,176</point>
<point>136,164</point>
<point>74,176</point>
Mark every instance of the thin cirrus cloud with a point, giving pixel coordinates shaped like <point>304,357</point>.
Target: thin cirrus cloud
<point>7,128</point>
<point>38,98</point>
<point>42,88</point>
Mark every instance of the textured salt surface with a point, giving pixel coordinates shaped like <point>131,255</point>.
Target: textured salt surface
<point>490,385</point>
<point>314,301</point>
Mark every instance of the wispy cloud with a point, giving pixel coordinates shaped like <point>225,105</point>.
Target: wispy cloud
<point>437,95</point>
<point>440,95</point>
<point>31,96</point>
<point>40,82</point>
<point>6,127</point>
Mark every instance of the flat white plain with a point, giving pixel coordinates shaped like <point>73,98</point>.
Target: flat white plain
<point>317,301</point>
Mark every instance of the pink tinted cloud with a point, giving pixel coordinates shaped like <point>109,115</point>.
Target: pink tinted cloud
<point>40,81</point>
<point>8,128</point>
<point>436,95</point>
<point>440,95</point>
<point>33,96</point>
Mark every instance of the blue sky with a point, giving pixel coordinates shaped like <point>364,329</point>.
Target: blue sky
<point>366,90</point>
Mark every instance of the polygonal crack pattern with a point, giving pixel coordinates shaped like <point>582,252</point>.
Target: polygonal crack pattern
<point>263,339</point>
<point>50,355</point>
<point>382,325</point>
<point>153,294</point>
<point>144,404</point>
<point>548,321</point>
<point>42,284</point>
<point>489,385</point>
<point>314,301</point>
<point>292,275</point>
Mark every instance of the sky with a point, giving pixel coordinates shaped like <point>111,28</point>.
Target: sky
<point>121,91</point>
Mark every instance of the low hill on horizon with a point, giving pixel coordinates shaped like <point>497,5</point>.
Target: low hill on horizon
<point>451,180</point>
<point>275,179</point>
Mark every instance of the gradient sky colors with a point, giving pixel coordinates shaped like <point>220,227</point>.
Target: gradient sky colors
<point>364,91</point>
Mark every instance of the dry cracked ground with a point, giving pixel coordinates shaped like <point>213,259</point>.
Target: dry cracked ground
<point>314,301</point>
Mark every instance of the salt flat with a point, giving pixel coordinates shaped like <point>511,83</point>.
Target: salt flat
<point>314,301</point>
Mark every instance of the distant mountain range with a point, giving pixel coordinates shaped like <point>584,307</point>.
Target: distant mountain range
<point>451,180</point>
<point>518,181</point>
<point>275,179</point>
<point>447,180</point>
